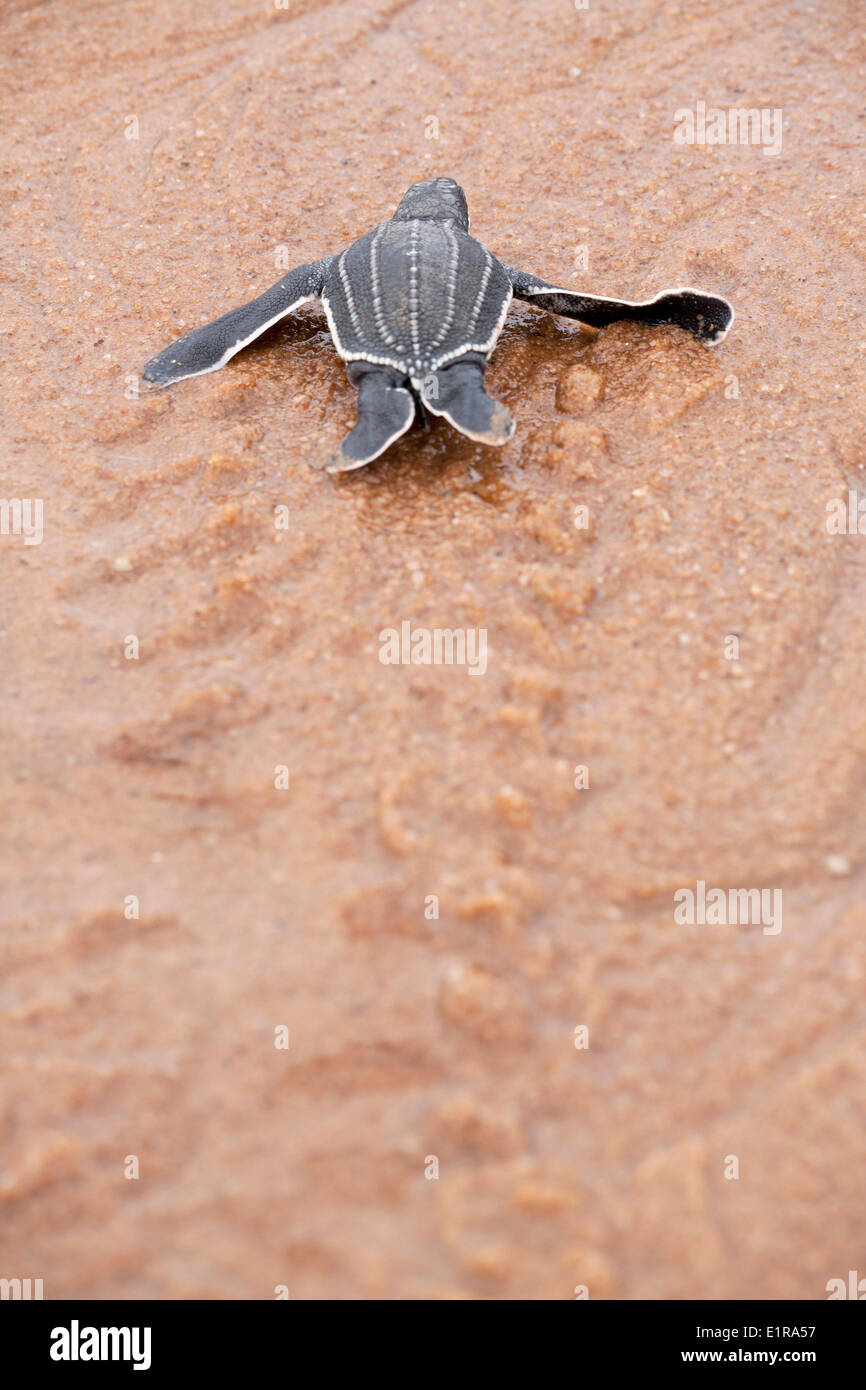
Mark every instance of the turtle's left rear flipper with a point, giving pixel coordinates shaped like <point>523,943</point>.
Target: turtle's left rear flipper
<point>209,348</point>
<point>385,411</point>
<point>708,316</point>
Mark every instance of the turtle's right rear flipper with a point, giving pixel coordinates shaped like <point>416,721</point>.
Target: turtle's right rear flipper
<point>209,348</point>
<point>457,393</point>
<point>707,316</point>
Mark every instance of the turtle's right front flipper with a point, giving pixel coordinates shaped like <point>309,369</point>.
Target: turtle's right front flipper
<point>707,316</point>
<point>209,348</point>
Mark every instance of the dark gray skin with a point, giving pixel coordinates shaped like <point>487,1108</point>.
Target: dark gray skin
<point>415,308</point>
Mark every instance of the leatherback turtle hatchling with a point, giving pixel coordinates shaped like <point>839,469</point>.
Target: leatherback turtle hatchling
<point>415,308</point>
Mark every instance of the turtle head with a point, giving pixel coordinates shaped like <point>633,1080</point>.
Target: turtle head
<point>437,200</point>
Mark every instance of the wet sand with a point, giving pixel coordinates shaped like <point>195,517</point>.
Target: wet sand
<point>706,475</point>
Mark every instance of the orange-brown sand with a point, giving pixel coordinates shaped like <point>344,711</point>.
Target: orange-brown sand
<point>157,158</point>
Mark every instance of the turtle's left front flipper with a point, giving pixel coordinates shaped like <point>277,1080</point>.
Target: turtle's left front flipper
<point>708,316</point>
<point>209,348</point>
